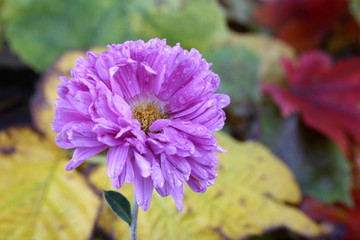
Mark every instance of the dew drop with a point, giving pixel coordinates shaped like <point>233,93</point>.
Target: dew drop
<point>178,183</point>
<point>182,100</point>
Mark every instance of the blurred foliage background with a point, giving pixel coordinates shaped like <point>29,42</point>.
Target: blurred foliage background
<point>291,68</point>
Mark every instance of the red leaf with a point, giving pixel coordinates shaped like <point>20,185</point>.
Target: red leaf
<point>327,95</point>
<point>350,217</point>
<point>301,23</point>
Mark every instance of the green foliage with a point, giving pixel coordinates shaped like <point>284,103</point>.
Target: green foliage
<point>180,21</point>
<point>238,68</point>
<point>1,22</point>
<point>40,30</point>
<point>319,165</point>
<point>269,50</point>
<point>119,204</point>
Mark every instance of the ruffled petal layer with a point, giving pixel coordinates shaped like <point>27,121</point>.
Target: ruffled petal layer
<point>94,112</point>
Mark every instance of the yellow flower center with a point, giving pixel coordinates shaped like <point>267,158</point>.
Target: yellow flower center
<point>147,113</point>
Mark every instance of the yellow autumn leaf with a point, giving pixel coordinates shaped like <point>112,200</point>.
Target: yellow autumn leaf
<point>251,195</point>
<point>39,199</point>
<point>270,51</point>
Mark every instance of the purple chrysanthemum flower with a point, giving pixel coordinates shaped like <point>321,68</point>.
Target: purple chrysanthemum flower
<point>153,106</point>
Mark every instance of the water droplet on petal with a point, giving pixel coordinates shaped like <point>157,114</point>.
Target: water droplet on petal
<point>178,183</point>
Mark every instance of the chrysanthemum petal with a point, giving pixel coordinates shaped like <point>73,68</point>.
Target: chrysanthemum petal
<point>64,114</point>
<point>102,65</point>
<point>174,175</point>
<point>143,165</point>
<point>143,188</point>
<point>81,154</point>
<point>123,79</point>
<point>223,100</point>
<point>146,76</point>
<point>196,185</point>
<point>116,158</point>
<point>128,174</point>
<point>81,135</point>
<point>179,69</point>
<point>119,106</point>
<point>156,174</point>
<point>165,190</point>
<point>177,194</point>
<point>77,134</point>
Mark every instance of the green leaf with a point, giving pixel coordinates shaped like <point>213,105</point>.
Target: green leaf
<point>40,30</point>
<point>195,24</point>
<point>318,164</point>
<point>119,204</point>
<point>269,49</point>
<point>1,22</point>
<point>238,69</point>
<point>355,9</point>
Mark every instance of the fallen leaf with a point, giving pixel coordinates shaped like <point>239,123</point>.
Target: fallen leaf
<point>251,196</point>
<point>301,23</point>
<point>39,199</point>
<point>319,165</point>
<point>326,95</point>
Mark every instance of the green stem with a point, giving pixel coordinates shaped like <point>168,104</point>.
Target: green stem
<point>134,214</point>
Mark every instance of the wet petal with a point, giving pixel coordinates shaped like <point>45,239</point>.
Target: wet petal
<point>81,154</point>
<point>116,158</point>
